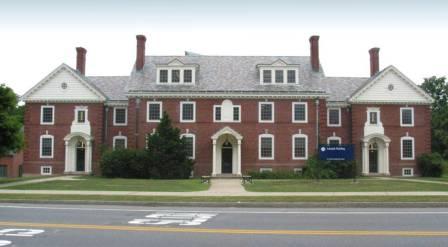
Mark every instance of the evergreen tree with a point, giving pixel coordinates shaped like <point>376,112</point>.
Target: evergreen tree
<point>11,136</point>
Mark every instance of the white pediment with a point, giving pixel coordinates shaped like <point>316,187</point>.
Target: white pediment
<point>63,85</point>
<point>279,62</point>
<point>391,86</point>
<point>175,62</point>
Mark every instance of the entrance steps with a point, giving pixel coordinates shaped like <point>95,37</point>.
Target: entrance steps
<point>227,176</point>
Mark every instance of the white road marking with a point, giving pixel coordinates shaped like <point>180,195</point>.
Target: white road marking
<point>235,212</point>
<point>4,243</point>
<point>20,232</point>
<point>181,219</point>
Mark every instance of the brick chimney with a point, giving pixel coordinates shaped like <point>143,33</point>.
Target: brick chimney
<point>374,61</point>
<point>314,54</point>
<point>81,60</point>
<point>140,61</point>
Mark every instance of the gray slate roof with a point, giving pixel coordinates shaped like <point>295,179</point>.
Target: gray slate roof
<point>114,87</point>
<point>341,88</point>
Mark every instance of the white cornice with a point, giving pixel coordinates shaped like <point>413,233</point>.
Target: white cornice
<point>225,95</point>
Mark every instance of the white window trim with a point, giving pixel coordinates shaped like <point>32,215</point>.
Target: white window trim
<point>181,76</point>
<point>44,173</point>
<point>265,169</point>
<point>125,138</point>
<point>272,114</point>
<point>223,121</point>
<point>293,112</point>
<point>42,115</point>
<point>331,138</point>
<point>147,111</point>
<point>401,116</point>
<point>377,110</point>
<point>405,168</point>
<point>259,147</point>
<point>294,146</point>
<point>413,147</point>
<point>52,147</point>
<point>82,108</point>
<point>194,143</point>
<point>182,113</point>
<point>328,117</point>
<point>285,75</point>
<point>125,116</point>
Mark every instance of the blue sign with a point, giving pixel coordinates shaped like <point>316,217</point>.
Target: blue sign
<point>336,152</point>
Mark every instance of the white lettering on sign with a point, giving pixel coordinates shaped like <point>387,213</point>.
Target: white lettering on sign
<point>20,232</point>
<point>4,243</point>
<point>181,219</point>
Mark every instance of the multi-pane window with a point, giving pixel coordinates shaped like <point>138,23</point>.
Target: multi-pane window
<point>154,111</point>
<point>120,117</point>
<point>120,142</point>
<point>163,76</point>
<point>46,146</point>
<point>300,146</point>
<point>334,141</point>
<point>47,115</point>
<point>291,76</point>
<point>278,76</point>
<point>407,148</point>
<point>236,113</point>
<point>189,145</point>
<point>46,170</point>
<point>334,117</point>
<point>187,112</point>
<point>218,113</point>
<point>407,116</point>
<point>299,112</point>
<point>373,117</point>
<point>267,76</point>
<point>266,146</point>
<point>81,116</point>
<point>175,76</point>
<point>266,112</point>
<point>188,76</point>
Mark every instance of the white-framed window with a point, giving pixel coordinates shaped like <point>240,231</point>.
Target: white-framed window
<point>46,146</point>
<point>334,117</point>
<point>299,112</point>
<point>190,141</point>
<point>187,111</point>
<point>120,142</point>
<point>373,116</point>
<point>153,111</point>
<point>265,169</point>
<point>46,170</point>
<point>279,75</point>
<point>120,116</point>
<point>47,115</point>
<point>218,111</point>
<point>266,147</point>
<point>298,170</point>
<point>176,75</point>
<point>266,112</point>
<point>407,148</point>
<point>407,172</point>
<point>81,114</point>
<point>407,116</point>
<point>334,140</point>
<point>299,147</point>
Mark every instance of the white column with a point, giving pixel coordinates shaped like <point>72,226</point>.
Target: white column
<point>88,158</point>
<point>365,158</point>
<point>386,160</point>
<point>67,158</point>
<point>238,171</point>
<point>214,158</point>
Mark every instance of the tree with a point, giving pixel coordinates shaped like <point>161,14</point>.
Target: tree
<point>11,135</point>
<point>168,152</point>
<point>437,87</point>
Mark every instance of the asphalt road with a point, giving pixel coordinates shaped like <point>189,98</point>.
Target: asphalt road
<point>89,225</point>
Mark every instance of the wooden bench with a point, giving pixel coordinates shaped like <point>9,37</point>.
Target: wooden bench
<point>205,179</point>
<point>247,179</point>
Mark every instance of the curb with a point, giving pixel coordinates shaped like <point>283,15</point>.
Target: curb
<point>244,204</point>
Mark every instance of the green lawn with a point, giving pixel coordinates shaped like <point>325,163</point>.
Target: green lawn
<point>340,185</point>
<point>10,180</point>
<point>117,184</point>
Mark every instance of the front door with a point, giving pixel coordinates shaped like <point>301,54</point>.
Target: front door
<point>373,158</point>
<point>80,157</point>
<point>226,158</point>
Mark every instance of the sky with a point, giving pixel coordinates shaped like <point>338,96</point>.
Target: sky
<point>37,36</point>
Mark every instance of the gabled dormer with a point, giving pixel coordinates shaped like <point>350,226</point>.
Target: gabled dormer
<point>278,73</point>
<point>176,72</point>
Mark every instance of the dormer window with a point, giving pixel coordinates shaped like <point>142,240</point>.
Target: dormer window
<point>175,76</point>
<point>176,72</point>
<point>278,73</point>
<point>188,76</point>
<point>278,76</point>
<point>267,76</point>
<point>163,76</point>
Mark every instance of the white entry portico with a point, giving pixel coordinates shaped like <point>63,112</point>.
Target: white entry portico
<point>226,152</point>
<point>78,153</point>
<point>375,155</point>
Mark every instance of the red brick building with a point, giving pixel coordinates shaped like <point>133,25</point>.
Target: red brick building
<point>238,113</point>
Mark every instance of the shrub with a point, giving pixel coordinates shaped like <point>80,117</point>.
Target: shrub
<point>342,168</point>
<point>125,163</point>
<point>430,165</point>
<point>318,169</point>
<point>275,175</point>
